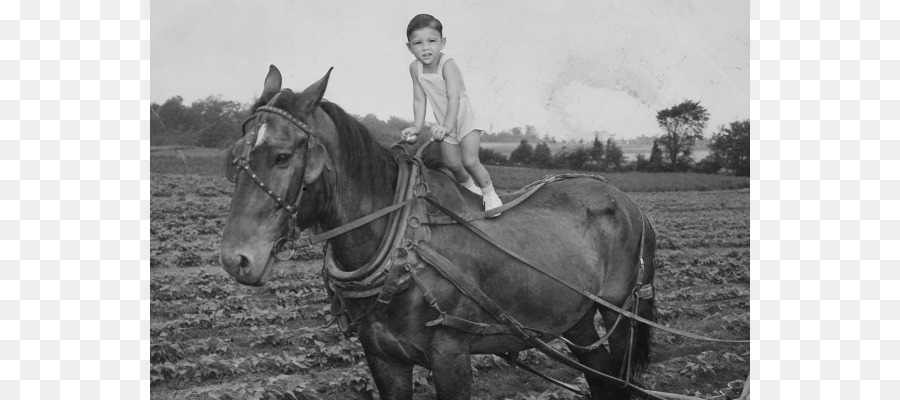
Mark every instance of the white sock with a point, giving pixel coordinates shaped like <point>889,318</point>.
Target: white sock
<point>489,190</point>
<point>470,184</point>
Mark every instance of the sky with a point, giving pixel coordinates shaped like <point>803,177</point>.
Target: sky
<point>570,68</point>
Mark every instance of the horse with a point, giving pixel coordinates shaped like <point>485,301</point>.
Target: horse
<point>309,164</point>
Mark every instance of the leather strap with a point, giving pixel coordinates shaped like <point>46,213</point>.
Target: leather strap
<point>391,284</point>
<point>446,220</point>
<point>353,224</point>
<point>528,190</point>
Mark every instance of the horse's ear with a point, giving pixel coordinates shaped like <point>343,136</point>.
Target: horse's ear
<point>308,100</point>
<point>272,84</point>
<point>318,160</point>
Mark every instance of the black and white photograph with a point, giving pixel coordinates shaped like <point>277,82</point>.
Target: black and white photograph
<point>450,200</point>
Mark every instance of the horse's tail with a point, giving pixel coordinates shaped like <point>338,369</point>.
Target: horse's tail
<point>646,307</point>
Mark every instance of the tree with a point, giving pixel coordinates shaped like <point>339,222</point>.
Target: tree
<point>216,122</point>
<point>597,151</point>
<point>641,163</point>
<point>541,156</point>
<point>730,147</point>
<point>521,154</point>
<point>172,114</point>
<point>683,124</point>
<point>656,164</point>
<point>613,156</point>
<point>491,157</point>
<point>578,158</point>
<point>531,133</point>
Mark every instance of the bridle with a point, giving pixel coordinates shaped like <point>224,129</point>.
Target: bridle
<point>289,242</point>
<point>242,162</point>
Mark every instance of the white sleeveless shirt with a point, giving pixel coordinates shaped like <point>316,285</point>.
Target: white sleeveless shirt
<point>435,88</point>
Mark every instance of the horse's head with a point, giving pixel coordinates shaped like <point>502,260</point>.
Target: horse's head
<point>279,156</point>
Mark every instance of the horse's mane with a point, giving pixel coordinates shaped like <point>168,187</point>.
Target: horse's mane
<point>369,157</point>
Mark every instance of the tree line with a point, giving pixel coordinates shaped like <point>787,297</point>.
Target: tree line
<point>213,122</point>
<point>682,125</point>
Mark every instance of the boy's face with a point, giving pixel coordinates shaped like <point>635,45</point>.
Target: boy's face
<point>426,44</point>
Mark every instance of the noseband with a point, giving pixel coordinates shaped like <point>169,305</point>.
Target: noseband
<point>242,162</point>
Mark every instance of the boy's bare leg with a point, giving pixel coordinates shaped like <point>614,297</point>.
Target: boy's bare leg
<point>453,161</point>
<point>469,147</point>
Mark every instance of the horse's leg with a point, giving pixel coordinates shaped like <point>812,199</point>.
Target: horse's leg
<point>393,379</point>
<point>451,366</point>
<point>585,334</point>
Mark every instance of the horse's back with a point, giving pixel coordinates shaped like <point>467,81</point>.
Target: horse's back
<point>576,229</point>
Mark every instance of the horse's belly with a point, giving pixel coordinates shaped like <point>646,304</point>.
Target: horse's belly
<point>558,249</point>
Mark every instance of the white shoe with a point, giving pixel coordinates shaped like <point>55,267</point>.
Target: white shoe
<point>491,202</point>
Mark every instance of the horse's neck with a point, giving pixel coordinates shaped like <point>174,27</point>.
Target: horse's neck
<point>349,203</point>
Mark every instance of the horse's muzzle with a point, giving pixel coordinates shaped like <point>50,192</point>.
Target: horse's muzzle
<point>239,266</point>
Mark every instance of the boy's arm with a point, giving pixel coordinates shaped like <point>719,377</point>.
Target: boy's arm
<point>419,99</point>
<point>454,82</point>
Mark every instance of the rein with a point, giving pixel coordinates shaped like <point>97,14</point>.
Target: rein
<point>421,191</point>
<point>371,279</point>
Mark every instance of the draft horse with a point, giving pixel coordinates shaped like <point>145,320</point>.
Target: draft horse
<point>304,162</point>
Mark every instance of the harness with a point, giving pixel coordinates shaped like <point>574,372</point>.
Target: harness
<point>404,253</point>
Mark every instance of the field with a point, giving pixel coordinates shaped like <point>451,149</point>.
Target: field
<point>213,338</point>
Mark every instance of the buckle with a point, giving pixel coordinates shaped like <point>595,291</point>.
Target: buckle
<point>645,292</point>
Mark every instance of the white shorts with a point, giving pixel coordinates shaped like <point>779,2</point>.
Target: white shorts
<point>455,138</point>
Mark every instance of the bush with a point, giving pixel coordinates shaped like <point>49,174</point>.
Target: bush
<point>491,157</point>
<point>521,154</point>
<point>708,165</point>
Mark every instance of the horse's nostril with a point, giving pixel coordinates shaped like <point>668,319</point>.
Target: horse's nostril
<point>244,263</point>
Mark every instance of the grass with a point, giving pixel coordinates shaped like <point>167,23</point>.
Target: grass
<point>210,162</point>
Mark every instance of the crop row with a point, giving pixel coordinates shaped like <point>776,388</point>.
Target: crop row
<point>213,338</point>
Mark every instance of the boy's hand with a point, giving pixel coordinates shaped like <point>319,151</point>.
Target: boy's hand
<point>410,135</point>
<point>439,132</point>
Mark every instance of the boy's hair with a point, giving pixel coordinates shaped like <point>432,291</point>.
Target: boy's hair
<point>424,21</point>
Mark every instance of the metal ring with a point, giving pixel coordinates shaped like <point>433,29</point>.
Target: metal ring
<point>421,189</point>
<point>400,252</point>
<point>276,247</point>
<point>414,222</point>
<point>436,211</point>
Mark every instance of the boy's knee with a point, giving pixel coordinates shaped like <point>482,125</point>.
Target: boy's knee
<point>456,167</point>
<point>471,163</point>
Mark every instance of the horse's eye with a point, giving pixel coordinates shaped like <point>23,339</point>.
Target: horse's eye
<point>282,158</point>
